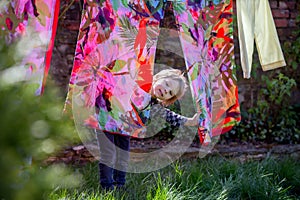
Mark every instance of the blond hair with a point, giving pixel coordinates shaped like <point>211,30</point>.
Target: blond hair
<point>176,75</point>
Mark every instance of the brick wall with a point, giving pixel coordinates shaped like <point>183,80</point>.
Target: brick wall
<point>284,13</point>
<point>64,49</point>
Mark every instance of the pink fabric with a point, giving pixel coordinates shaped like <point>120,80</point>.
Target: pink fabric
<point>119,38</point>
<point>32,23</point>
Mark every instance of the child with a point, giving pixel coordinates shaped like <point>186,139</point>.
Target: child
<point>167,86</point>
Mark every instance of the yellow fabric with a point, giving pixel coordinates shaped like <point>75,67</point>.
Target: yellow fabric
<point>255,22</point>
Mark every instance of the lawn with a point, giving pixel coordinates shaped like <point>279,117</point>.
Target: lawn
<point>208,178</point>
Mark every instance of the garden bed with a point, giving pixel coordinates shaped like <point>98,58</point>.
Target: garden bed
<point>79,154</point>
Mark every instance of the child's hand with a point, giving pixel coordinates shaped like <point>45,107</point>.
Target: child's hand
<point>194,121</point>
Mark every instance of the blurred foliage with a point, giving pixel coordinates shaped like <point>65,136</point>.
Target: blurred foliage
<point>32,129</point>
<point>292,54</point>
<point>277,120</point>
<point>272,118</point>
<point>6,54</point>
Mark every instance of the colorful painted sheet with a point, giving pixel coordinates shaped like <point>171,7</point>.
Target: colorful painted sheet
<point>115,54</point>
<point>31,24</point>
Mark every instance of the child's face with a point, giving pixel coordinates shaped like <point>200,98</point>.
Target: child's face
<point>165,88</point>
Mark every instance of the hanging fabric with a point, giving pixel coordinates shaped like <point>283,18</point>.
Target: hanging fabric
<point>32,26</point>
<point>115,54</point>
<point>255,23</point>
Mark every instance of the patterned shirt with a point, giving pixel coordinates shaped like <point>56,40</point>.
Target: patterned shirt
<point>155,110</point>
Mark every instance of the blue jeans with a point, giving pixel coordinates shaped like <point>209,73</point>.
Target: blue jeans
<point>114,157</point>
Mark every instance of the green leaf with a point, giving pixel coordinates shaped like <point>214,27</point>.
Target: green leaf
<point>119,64</point>
<point>190,19</point>
<point>115,4</point>
<point>218,41</point>
<point>102,118</point>
<point>185,28</point>
<point>128,32</point>
<point>179,7</point>
<point>208,32</point>
<point>194,74</point>
<point>125,3</point>
<point>294,65</point>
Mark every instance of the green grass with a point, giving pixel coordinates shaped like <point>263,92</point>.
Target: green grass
<point>210,178</point>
